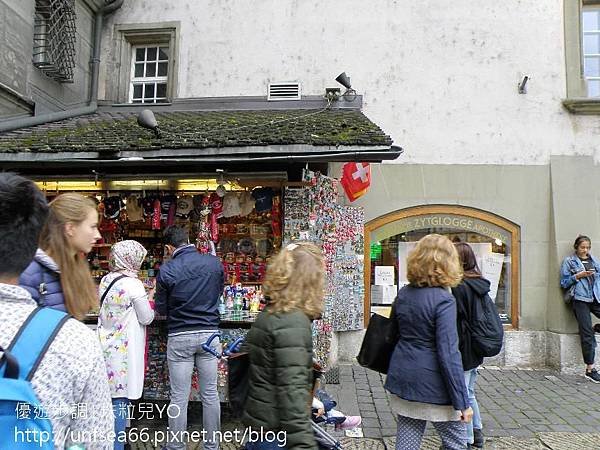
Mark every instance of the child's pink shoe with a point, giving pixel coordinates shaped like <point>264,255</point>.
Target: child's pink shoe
<point>349,423</point>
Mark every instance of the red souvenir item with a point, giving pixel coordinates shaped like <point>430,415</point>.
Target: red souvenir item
<point>156,215</point>
<point>356,179</point>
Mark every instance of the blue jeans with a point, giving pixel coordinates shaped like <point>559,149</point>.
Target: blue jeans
<point>183,352</point>
<point>120,410</point>
<point>470,378</point>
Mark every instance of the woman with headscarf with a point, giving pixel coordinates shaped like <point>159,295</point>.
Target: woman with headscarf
<point>124,314</point>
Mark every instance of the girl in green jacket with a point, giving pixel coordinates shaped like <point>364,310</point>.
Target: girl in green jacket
<point>277,411</point>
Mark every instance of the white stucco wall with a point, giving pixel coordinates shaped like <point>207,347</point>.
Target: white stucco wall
<point>440,78</point>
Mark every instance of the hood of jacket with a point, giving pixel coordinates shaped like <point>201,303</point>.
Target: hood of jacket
<point>481,286</point>
<point>42,257</point>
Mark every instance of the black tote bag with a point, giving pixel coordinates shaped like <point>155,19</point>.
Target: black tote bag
<point>378,344</point>
<point>238,365</point>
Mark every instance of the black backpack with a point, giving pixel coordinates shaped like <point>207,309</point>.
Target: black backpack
<point>487,332</point>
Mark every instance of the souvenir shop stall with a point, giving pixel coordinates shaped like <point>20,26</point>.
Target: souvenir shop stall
<point>239,221</point>
<point>243,222</point>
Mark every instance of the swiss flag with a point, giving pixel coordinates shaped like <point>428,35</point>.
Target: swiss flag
<point>356,179</point>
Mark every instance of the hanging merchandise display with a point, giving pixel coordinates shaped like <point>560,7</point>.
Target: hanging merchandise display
<point>345,308</point>
<point>312,214</point>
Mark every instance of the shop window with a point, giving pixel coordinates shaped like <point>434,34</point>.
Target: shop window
<point>149,74</point>
<point>494,240</point>
<point>147,63</point>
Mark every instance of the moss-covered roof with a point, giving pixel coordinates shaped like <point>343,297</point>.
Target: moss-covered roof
<point>109,133</point>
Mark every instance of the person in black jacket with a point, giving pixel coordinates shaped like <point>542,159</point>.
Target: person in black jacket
<point>472,288</point>
<point>188,288</point>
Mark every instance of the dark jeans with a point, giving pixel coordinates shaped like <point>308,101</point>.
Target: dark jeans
<point>582,311</point>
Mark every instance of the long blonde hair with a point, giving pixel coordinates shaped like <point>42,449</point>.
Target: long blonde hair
<point>434,262</point>
<point>78,288</point>
<point>295,279</point>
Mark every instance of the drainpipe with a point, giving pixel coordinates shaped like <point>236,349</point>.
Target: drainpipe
<point>23,122</point>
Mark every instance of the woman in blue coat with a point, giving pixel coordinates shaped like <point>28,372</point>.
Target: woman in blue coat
<point>59,276</point>
<point>580,273</point>
<point>426,373</point>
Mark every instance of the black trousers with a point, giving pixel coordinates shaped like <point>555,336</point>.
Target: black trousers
<point>582,312</point>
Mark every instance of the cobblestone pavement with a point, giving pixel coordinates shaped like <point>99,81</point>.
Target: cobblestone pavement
<point>521,410</point>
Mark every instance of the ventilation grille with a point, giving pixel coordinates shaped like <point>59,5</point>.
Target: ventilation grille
<point>289,90</point>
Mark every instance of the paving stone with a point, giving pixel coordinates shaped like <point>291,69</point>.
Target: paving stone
<point>370,422</point>
<point>372,432</point>
<point>366,406</point>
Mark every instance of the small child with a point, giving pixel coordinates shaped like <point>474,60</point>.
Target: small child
<point>322,411</point>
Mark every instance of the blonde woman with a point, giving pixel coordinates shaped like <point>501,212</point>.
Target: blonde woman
<point>280,349</point>
<point>426,374</point>
<point>124,313</point>
<point>59,276</point>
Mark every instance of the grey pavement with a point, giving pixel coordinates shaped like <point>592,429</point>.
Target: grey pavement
<point>521,409</point>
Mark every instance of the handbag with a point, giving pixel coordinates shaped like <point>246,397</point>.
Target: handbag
<point>238,366</point>
<point>569,294</point>
<point>378,344</point>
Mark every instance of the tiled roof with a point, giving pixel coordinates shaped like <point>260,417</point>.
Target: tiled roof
<point>109,133</point>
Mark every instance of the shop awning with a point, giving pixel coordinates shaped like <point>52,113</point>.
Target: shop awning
<point>113,139</point>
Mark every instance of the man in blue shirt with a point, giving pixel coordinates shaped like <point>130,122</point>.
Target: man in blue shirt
<point>188,288</point>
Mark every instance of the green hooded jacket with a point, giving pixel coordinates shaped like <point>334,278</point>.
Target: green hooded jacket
<point>280,377</point>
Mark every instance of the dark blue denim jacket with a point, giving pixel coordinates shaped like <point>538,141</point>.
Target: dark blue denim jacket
<point>583,290</point>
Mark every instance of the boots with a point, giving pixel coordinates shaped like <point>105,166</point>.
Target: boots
<point>478,438</point>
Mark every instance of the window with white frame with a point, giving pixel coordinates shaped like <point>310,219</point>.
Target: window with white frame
<point>591,48</point>
<point>149,74</point>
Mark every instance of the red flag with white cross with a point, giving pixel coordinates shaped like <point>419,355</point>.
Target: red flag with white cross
<point>356,179</point>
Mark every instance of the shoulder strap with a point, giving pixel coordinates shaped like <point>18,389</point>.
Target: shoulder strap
<point>33,339</point>
<point>109,286</point>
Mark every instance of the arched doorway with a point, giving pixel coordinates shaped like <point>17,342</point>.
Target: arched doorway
<point>495,240</point>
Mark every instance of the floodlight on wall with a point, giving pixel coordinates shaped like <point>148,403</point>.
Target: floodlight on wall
<point>333,94</point>
<point>147,120</point>
<point>522,86</point>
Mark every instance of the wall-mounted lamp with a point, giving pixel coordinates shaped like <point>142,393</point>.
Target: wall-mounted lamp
<point>333,94</point>
<point>522,86</point>
<point>146,119</point>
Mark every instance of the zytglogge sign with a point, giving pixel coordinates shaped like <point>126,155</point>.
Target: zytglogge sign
<point>356,179</point>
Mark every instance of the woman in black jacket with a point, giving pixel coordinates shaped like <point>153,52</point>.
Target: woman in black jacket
<point>472,288</point>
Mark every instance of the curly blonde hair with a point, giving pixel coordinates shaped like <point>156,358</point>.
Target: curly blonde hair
<point>434,262</point>
<point>295,279</point>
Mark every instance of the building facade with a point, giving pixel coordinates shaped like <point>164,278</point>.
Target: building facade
<point>495,105</point>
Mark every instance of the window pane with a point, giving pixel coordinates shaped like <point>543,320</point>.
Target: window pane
<point>151,54</point>
<point>139,54</point>
<point>163,53</point>
<point>162,69</point>
<point>593,88</point>
<point>161,100</point>
<point>591,43</point>
<point>161,90</point>
<point>149,91</point>
<point>139,70</point>
<point>590,20</point>
<point>137,91</point>
<point>150,69</point>
<point>136,101</point>
<point>592,66</point>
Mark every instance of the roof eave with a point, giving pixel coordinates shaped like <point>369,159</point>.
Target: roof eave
<point>365,155</point>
